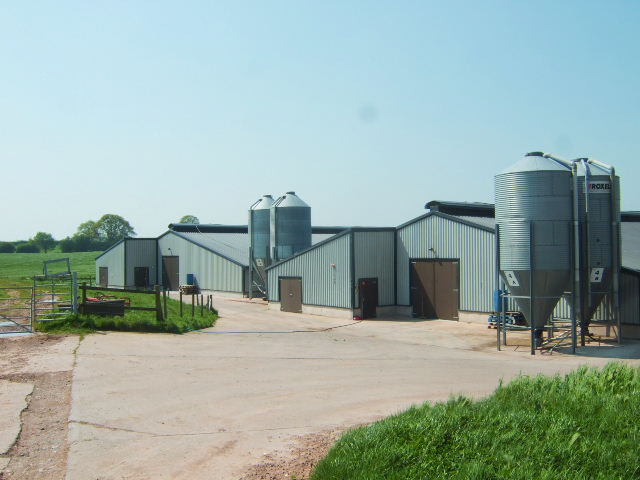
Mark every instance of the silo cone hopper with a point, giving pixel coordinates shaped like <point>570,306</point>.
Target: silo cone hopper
<point>534,221</point>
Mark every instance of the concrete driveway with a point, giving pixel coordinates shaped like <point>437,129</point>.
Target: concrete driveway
<point>209,405</point>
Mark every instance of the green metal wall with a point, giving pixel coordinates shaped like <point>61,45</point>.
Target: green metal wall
<point>449,239</point>
<point>141,252</point>
<point>374,258</point>
<point>325,272</point>
<point>212,271</point>
<point>114,260</point>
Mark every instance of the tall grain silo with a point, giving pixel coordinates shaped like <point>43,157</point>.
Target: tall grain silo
<point>290,226</point>
<point>598,206</point>
<point>259,238</point>
<point>533,207</point>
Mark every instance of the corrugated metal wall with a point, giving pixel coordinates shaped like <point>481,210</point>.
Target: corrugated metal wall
<point>212,271</point>
<point>474,248</point>
<point>142,252</point>
<point>114,261</point>
<point>322,284</point>
<point>629,303</point>
<point>374,253</point>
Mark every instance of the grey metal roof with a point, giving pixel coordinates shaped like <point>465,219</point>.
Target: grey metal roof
<point>234,246</point>
<point>488,222</point>
<point>631,245</point>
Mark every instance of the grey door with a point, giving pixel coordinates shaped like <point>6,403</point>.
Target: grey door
<point>103,278</point>
<point>434,288</point>
<point>171,272</point>
<point>291,295</point>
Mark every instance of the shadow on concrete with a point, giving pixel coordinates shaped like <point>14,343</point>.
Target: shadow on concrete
<point>629,349</point>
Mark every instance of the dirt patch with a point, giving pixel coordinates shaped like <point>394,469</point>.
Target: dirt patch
<point>41,449</point>
<point>307,451</point>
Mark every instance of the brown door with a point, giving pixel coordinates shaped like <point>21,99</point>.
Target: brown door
<point>141,277</point>
<point>291,295</point>
<point>435,288</point>
<point>104,277</point>
<point>171,272</point>
<point>368,288</point>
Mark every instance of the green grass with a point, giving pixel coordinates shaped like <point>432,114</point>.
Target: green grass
<point>19,268</point>
<point>135,321</point>
<point>580,426</point>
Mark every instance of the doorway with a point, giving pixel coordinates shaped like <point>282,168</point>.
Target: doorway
<point>141,277</point>
<point>435,286</point>
<point>368,288</point>
<point>171,272</point>
<point>291,294</point>
<point>103,277</point>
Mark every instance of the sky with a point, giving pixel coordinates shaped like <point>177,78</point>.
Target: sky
<point>367,109</point>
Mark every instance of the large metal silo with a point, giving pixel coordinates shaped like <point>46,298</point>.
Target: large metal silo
<point>259,227</point>
<point>259,238</point>
<point>598,209</point>
<point>534,218</point>
<point>290,226</point>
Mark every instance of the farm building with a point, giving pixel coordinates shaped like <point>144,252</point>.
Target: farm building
<point>438,265</point>
<point>215,257</point>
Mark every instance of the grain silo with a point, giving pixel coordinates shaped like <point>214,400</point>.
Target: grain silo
<point>290,226</point>
<point>260,236</point>
<point>533,218</point>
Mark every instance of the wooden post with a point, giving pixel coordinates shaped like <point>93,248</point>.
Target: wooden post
<point>164,295</point>
<point>201,305</point>
<point>181,302</point>
<point>84,292</point>
<point>193,301</point>
<point>156,288</point>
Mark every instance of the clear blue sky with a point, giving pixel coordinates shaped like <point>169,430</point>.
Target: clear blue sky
<point>152,110</point>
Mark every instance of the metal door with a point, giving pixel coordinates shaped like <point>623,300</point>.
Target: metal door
<point>368,288</point>
<point>435,288</point>
<point>171,272</point>
<point>141,277</point>
<point>104,276</point>
<point>291,295</point>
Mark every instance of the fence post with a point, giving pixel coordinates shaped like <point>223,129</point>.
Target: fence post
<point>181,302</point>
<point>74,292</point>
<point>192,306</point>
<point>158,304</point>
<point>84,292</point>
<point>164,295</point>
<point>201,305</point>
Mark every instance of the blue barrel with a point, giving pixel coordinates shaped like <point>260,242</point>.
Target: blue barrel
<point>190,278</point>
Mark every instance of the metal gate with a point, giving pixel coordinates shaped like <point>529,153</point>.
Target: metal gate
<point>54,296</point>
<point>16,310</point>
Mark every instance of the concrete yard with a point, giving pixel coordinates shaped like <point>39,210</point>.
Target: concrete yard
<point>214,404</point>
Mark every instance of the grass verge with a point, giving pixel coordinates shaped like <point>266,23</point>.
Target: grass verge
<point>579,426</point>
<point>135,321</point>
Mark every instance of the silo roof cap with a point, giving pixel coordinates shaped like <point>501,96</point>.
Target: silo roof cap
<point>290,199</point>
<point>593,169</point>
<point>263,203</point>
<point>536,162</point>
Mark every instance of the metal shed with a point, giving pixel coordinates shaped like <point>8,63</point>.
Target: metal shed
<point>345,272</point>
<point>130,263</point>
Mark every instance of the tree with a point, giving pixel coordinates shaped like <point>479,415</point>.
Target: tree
<point>44,241</point>
<point>27,248</point>
<point>7,247</point>
<point>190,219</point>
<point>87,229</point>
<point>112,228</point>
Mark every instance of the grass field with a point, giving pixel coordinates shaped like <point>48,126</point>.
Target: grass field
<point>19,268</point>
<point>136,321</point>
<point>580,426</point>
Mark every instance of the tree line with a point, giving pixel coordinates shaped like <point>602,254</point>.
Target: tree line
<point>90,236</point>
